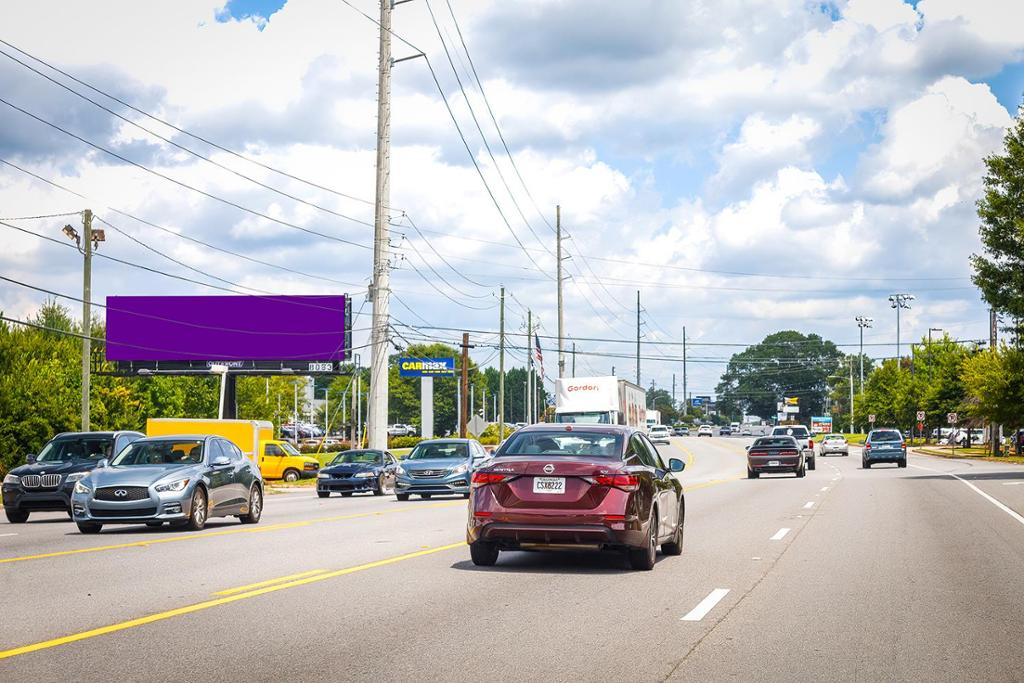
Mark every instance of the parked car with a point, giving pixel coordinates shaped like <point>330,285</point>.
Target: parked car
<point>884,445</point>
<point>183,480</point>
<point>705,430</point>
<point>438,467</point>
<point>659,434</point>
<point>803,437</point>
<point>357,471</point>
<point>600,486</point>
<point>47,481</point>
<point>770,454</point>
<point>725,431</point>
<point>834,444</point>
<point>401,430</point>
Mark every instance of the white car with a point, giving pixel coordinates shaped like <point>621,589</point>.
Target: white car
<point>659,434</point>
<point>834,444</point>
<point>746,431</point>
<point>401,430</point>
<point>705,430</point>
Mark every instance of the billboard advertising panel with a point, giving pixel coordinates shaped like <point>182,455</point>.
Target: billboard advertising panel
<point>821,425</point>
<point>426,367</point>
<point>232,329</point>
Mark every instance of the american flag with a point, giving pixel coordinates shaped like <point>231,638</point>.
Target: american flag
<point>538,355</point>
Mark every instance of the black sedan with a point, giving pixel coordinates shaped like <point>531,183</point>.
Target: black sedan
<point>357,471</point>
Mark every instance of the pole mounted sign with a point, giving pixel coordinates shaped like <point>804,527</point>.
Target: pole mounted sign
<point>952,418</point>
<point>871,418</point>
<point>920,416</point>
<point>426,367</point>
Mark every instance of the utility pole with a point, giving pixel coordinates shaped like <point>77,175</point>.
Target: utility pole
<point>851,394</point>
<point>380,290</point>
<point>501,370</point>
<point>862,322</point>
<point>686,399</point>
<point>529,366</point>
<point>574,359</point>
<point>673,388</point>
<point>92,240</point>
<point>561,308</point>
<point>993,347</point>
<point>638,337</point>
<point>464,408</point>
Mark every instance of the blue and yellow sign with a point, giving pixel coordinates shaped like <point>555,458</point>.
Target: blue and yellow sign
<point>426,367</point>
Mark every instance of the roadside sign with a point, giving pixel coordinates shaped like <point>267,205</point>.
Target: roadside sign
<point>952,418</point>
<point>920,427</point>
<point>871,418</point>
<point>920,416</point>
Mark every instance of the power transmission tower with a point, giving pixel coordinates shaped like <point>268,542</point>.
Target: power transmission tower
<point>380,289</point>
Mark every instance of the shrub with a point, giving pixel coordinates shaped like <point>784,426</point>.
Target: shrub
<point>404,441</point>
<point>489,439</point>
<point>337,448</point>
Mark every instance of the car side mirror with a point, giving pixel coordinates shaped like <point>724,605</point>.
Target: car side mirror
<point>676,465</point>
<point>30,458</point>
<point>220,461</point>
<point>102,463</point>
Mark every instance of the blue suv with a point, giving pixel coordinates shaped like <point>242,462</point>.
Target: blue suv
<point>438,467</point>
<point>884,445</point>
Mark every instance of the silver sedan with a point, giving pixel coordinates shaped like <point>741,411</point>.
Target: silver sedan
<point>834,444</point>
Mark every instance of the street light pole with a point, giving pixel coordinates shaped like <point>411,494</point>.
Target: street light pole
<point>862,322</point>
<point>899,301</point>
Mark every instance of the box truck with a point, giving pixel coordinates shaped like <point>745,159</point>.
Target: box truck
<point>599,400</point>
<point>276,459</point>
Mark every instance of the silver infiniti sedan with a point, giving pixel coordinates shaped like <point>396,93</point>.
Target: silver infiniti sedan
<point>183,480</point>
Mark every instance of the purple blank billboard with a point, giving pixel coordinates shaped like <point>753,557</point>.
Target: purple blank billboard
<point>226,328</point>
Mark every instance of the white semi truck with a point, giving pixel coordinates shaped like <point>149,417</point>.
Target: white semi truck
<point>600,400</point>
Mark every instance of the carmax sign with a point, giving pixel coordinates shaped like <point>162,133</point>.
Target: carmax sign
<point>426,367</point>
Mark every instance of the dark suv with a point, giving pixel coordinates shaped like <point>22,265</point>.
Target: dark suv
<point>46,482</point>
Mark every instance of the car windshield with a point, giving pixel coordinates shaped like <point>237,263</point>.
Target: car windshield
<point>361,457</point>
<point>887,435</point>
<point>451,450</point>
<point>564,443</point>
<point>161,452</point>
<point>76,448</point>
<point>289,449</point>
<point>774,442</point>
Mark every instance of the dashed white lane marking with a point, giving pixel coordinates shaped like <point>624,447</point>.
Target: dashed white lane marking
<point>11,534</point>
<point>706,605</point>
<point>780,534</point>
<point>1012,483</point>
<point>824,488</point>
<point>808,505</point>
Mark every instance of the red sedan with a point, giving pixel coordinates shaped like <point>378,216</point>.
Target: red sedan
<point>577,486</point>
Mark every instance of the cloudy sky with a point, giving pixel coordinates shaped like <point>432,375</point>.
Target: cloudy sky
<point>749,166</point>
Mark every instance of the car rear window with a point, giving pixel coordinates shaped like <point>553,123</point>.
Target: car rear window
<point>797,432</point>
<point>774,442</point>
<point>564,443</point>
<point>834,437</point>
<point>888,435</point>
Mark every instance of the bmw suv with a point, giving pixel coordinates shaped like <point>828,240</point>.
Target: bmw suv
<point>47,481</point>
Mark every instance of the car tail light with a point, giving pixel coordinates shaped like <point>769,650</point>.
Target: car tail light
<point>758,453</point>
<point>626,482</point>
<point>615,518</point>
<point>867,446</point>
<point>482,513</point>
<point>790,452</point>
<point>810,443</point>
<point>486,478</point>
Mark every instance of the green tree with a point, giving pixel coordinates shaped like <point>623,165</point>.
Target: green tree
<point>999,272</point>
<point>995,383</point>
<point>786,363</point>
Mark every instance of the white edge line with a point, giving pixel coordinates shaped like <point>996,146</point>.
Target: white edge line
<point>780,534</point>
<point>706,605</point>
<point>992,500</point>
<point>10,534</point>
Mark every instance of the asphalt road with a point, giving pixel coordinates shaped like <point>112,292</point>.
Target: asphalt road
<point>847,575</point>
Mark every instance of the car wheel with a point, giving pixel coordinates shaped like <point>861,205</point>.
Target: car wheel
<point>466,496</point>
<point>483,554</point>
<point>751,474</point>
<point>903,463</point>
<point>323,494</point>
<point>402,496</point>
<point>643,558</point>
<point>154,525</point>
<point>379,491</point>
<point>291,475</point>
<point>802,472</point>
<point>675,546</point>
<point>810,464</point>
<point>197,520</point>
<point>71,515</point>
<point>89,527</point>
<point>865,464</point>
<point>255,507</point>
<point>16,516</point>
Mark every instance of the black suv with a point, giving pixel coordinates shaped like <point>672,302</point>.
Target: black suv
<point>46,482</point>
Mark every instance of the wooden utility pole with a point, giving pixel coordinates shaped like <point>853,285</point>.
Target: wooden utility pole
<point>686,397</point>
<point>561,309</point>
<point>86,317</point>
<point>464,392</point>
<point>529,366</point>
<point>501,370</point>
<point>638,338</point>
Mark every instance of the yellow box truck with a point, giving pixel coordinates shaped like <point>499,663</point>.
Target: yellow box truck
<point>276,459</point>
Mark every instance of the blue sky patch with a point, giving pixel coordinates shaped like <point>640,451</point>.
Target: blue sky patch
<point>1008,86</point>
<point>261,10</point>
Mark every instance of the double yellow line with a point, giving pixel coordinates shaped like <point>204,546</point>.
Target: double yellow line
<point>232,595</point>
<point>225,532</point>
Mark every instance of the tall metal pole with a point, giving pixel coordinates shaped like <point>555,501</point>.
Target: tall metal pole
<point>638,337</point>
<point>295,413</point>
<point>464,412</point>
<point>851,392</point>
<point>574,359</point>
<point>86,318</point>
<point>529,366</point>
<point>501,370</point>
<point>377,413</point>
<point>862,322</point>
<point>561,309</point>
<point>686,397</point>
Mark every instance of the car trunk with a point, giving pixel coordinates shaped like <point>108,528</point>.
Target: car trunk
<point>560,482</point>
